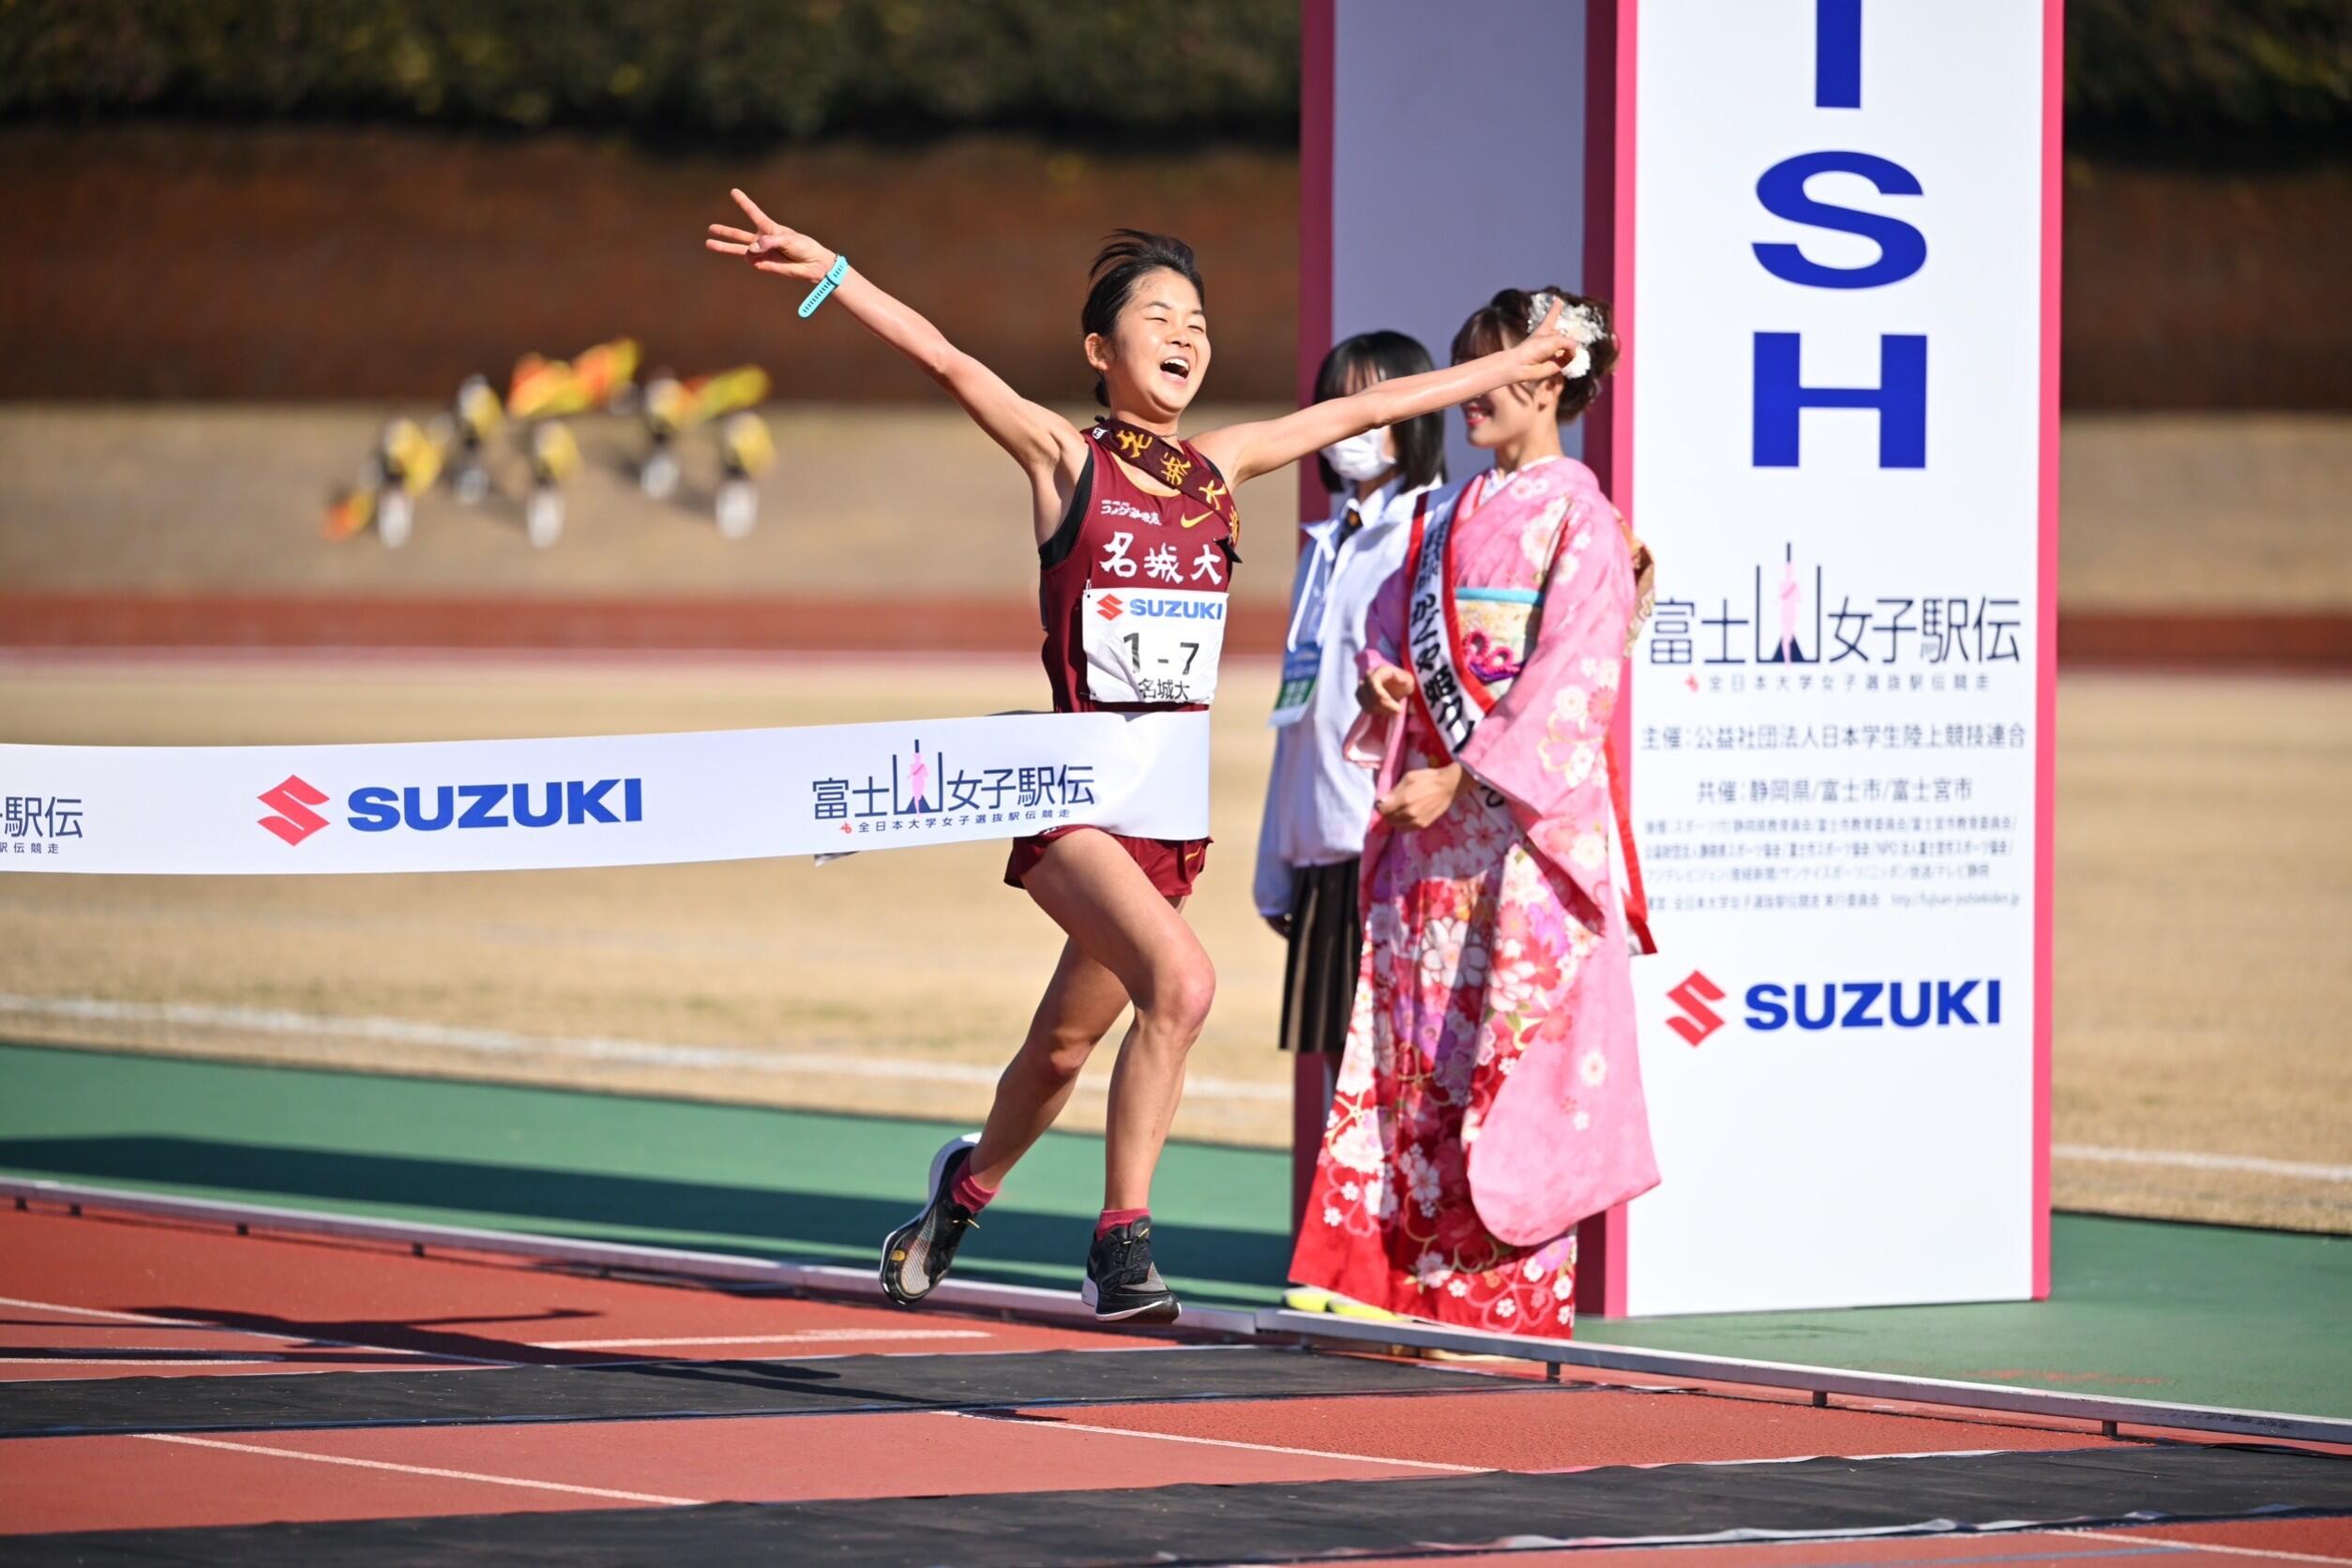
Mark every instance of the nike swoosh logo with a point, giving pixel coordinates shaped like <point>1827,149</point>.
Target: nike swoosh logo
<point>1191,522</point>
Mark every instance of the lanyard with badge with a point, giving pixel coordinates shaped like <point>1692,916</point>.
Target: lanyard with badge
<point>1302,654</point>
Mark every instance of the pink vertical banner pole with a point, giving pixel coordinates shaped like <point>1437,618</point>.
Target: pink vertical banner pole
<point>1608,274</point>
<point>2046,697</point>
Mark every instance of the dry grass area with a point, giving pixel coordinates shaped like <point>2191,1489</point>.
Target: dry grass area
<point>2214,513</point>
<point>862,502</point>
<point>2204,964</point>
<point>2204,877</point>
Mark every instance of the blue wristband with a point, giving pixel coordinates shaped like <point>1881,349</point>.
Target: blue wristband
<point>832,280</point>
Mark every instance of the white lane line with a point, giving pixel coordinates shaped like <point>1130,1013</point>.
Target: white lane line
<point>116,1317</point>
<point>419,1469</point>
<point>250,1333</point>
<point>846,1062</point>
<point>806,1337</point>
<point>2187,1160</point>
<point>2188,1545</point>
<point>1784,1459</point>
<point>1058,1424</point>
<point>135,1359</point>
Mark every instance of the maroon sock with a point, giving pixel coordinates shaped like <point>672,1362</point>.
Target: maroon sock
<point>1113,1218</point>
<point>968,1192</point>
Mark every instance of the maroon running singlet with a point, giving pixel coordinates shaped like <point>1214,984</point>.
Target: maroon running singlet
<point>1118,540</point>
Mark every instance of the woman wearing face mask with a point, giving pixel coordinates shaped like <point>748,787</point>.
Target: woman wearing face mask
<point>1490,1098</point>
<point>1316,800</point>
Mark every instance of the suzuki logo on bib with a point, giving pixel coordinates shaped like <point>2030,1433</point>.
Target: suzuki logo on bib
<point>1110,607</point>
<point>1875,1004</point>
<point>1179,609</point>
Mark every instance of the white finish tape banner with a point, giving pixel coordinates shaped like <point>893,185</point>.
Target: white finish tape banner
<point>616,800</point>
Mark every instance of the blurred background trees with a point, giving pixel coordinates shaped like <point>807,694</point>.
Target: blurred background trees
<point>357,197</point>
<point>2187,72</point>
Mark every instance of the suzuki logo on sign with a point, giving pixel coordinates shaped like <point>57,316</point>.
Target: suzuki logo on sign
<point>1857,1004</point>
<point>293,801</point>
<point>1699,1020</point>
<point>1110,607</point>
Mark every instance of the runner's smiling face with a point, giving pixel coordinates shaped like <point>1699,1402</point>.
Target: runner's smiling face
<point>1156,355</point>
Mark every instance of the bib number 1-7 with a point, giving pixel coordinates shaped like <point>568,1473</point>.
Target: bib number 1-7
<point>1153,644</point>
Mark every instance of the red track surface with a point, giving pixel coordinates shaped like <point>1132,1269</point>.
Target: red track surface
<point>100,1296</point>
<point>77,1288</point>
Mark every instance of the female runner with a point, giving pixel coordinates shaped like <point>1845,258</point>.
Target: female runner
<point>1126,505</point>
<point>1489,1098</point>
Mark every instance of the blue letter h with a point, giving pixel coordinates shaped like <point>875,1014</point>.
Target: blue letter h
<point>1900,398</point>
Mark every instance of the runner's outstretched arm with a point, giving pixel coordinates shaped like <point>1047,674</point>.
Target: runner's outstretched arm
<point>1048,446</point>
<point>1243,452</point>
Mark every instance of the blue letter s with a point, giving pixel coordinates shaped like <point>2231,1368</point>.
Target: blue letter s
<point>1902,248</point>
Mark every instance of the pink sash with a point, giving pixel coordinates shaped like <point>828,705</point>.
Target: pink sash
<point>1451,699</point>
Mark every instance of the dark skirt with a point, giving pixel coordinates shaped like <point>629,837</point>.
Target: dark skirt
<point>1319,983</point>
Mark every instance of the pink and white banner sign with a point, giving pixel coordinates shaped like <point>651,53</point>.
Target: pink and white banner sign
<point>1830,230</point>
<point>1839,274</point>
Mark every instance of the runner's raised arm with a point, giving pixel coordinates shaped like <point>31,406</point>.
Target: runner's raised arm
<point>1048,446</point>
<point>1243,452</point>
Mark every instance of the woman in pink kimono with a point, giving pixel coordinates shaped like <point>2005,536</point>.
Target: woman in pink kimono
<point>1490,1098</point>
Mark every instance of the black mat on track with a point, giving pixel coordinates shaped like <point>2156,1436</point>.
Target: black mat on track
<point>1269,1524</point>
<point>655,1390</point>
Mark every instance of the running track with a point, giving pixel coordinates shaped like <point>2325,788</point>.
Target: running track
<point>180,1393</point>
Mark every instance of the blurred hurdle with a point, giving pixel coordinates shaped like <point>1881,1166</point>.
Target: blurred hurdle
<point>539,395</point>
<point>542,394</point>
<point>746,449</point>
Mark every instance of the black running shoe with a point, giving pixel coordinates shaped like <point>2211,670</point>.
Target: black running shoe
<point>917,1254</point>
<point>1121,1286</point>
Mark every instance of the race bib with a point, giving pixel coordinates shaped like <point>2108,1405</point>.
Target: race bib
<point>1152,644</point>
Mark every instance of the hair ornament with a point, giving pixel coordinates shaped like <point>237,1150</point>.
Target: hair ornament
<point>1580,325</point>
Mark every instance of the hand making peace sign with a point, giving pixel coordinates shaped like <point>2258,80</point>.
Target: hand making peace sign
<point>769,245</point>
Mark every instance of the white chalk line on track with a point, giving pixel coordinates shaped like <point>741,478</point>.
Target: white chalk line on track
<point>608,1051</point>
<point>657,1053</point>
<point>2204,1547</point>
<point>797,1337</point>
<point>1056,1423</point>
<point>2186,1160</point>
<point>61,1309</point>
<point>806,1337</point>
<point>139,1359</point>
<point>434,1471</point>
<point>201,1327</point>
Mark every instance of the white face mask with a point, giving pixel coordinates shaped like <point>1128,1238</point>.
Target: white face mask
<point>1360,457</point>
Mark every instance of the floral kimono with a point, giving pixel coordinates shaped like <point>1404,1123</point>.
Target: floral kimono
<point>1490,1097</point>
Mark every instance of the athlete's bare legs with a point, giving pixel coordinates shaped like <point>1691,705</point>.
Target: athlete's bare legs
<point>1126,943</point>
